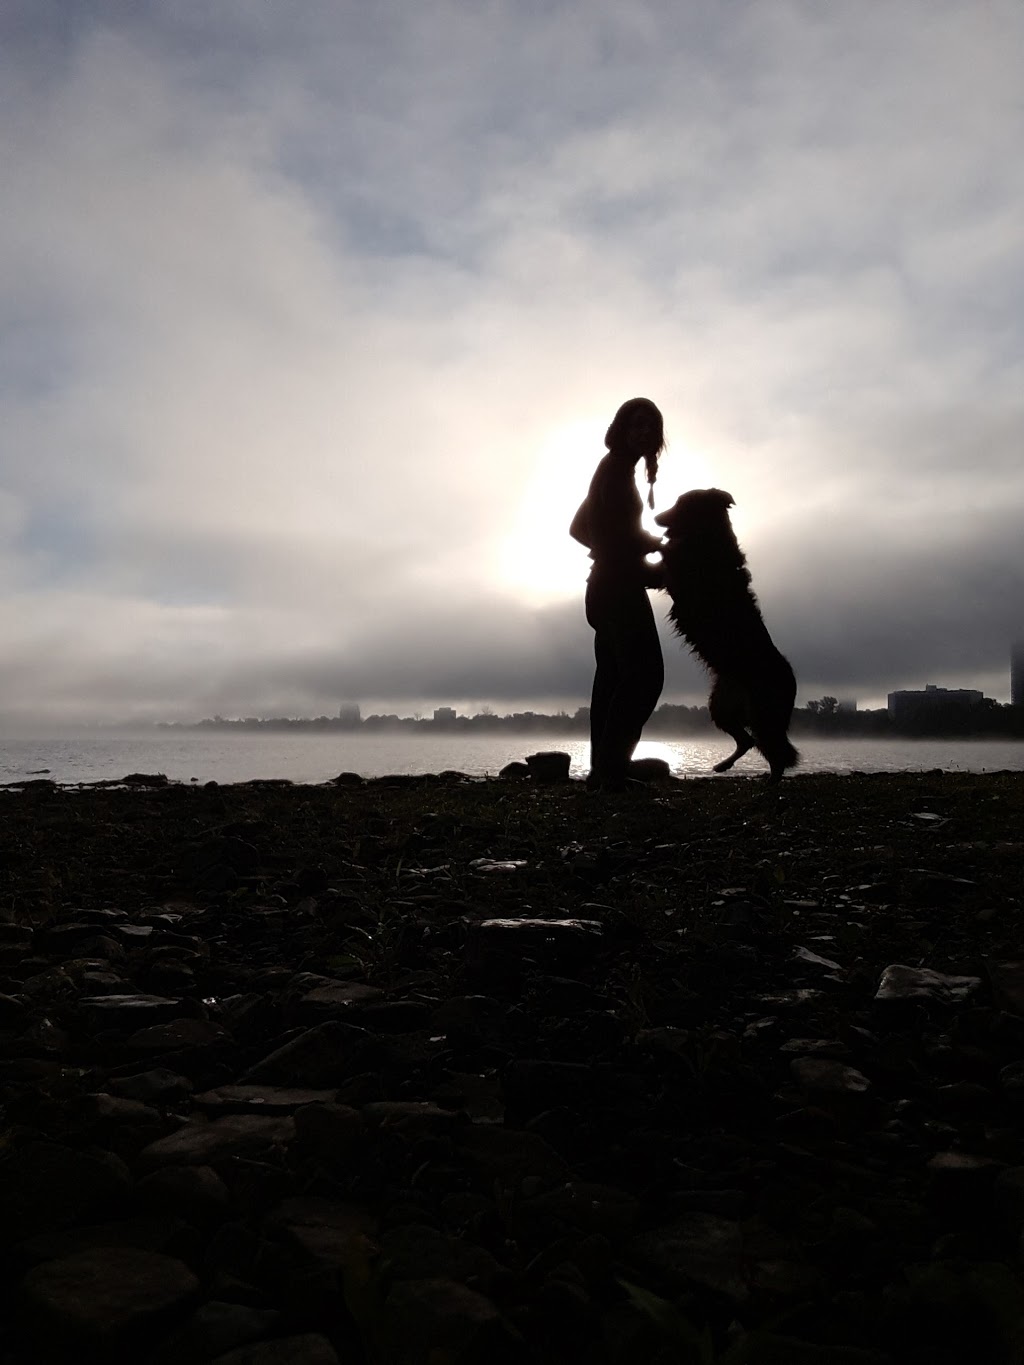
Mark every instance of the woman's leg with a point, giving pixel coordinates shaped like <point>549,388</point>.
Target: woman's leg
<point>606,675</point>
<point>632,674</point>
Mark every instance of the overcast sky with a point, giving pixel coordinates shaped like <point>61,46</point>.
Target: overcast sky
<point>314,315</point>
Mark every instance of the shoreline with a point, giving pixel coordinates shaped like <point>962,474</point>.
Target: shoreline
<point>549,1073</point>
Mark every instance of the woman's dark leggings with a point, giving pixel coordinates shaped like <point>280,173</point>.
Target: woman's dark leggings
<point>629,676</point>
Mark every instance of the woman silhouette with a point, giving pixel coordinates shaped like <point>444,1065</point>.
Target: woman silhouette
<point>629,672</point>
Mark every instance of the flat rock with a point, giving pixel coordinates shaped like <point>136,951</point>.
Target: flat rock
<point>158,1086</point>
<point>131,1011</point>
<point>338,998</point>
<point>198,1144</point>
<point>102,1294</point>
<point>308,1349</point>
<point>260,1099</point>
<point>900,983</point>
<point>321,1056</point>
<point>180,1034</point>
<point>825,1077</point>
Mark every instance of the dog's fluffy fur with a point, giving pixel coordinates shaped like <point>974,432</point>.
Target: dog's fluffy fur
<point>715,611</point>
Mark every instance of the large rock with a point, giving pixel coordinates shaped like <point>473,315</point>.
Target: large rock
<point>549,766</point>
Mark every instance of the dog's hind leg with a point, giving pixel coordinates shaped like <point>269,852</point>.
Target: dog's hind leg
<point>772,709</point>
<point>726,706</point>
<point>744,744</point>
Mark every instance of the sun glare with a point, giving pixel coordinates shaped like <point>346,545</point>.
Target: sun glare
<point>538,560</point>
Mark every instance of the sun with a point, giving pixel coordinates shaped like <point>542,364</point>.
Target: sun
<point>537,559</point>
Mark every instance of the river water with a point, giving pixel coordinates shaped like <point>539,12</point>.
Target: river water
<point>204,756</point>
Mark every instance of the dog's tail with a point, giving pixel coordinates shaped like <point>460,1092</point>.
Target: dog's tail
<point>780,755</point>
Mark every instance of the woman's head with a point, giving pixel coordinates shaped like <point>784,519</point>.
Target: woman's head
<point>637,430</point>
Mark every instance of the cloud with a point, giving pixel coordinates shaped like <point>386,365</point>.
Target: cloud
<point>314,321</point>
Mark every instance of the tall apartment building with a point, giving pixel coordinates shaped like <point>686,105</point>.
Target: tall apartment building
<point>902,705</point>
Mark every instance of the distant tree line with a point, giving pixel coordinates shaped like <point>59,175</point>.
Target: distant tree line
<point>823,716</point>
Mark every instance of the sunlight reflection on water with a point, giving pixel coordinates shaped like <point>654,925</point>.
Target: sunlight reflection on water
<point>203,757</point>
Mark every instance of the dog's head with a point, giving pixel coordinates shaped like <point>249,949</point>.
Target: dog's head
<point>699,508</point>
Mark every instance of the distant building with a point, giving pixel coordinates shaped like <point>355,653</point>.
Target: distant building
<point>907,705</point>
<point>1017,674</point>
<point>349,713</point>
<point>444,715</point>
<point>846,707</point>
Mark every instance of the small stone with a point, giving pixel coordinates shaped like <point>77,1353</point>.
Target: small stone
<point>412,1118</point>
<point>415,1251</point>
<point>331,1135</point>
<point>1011,1079</point>
<point>959,1183</point>
<point>820,1047</point>
<point>213,1329</point>
<point>826,1079</point>
<point>13,1012</point>
<point>338,998</point>
<point>195,1193</point>
<point>440,1319</point>
<point>650,770</point>
<point>118,1111</point>
<point>509,1155</point>
<point>1007,985</point>
<point>515,769</point>
<point>159,1086</point>
<point>962,1097</point>
<point>815,960</point>
<point>697,1247</point>
<point>395,1016</point>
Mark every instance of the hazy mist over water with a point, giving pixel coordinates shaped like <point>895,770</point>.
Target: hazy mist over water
<point>318,758</point>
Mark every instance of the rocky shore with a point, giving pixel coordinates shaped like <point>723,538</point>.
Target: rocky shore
<point>486,1072</point>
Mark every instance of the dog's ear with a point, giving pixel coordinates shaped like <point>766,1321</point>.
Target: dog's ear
<point>726,499</point>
